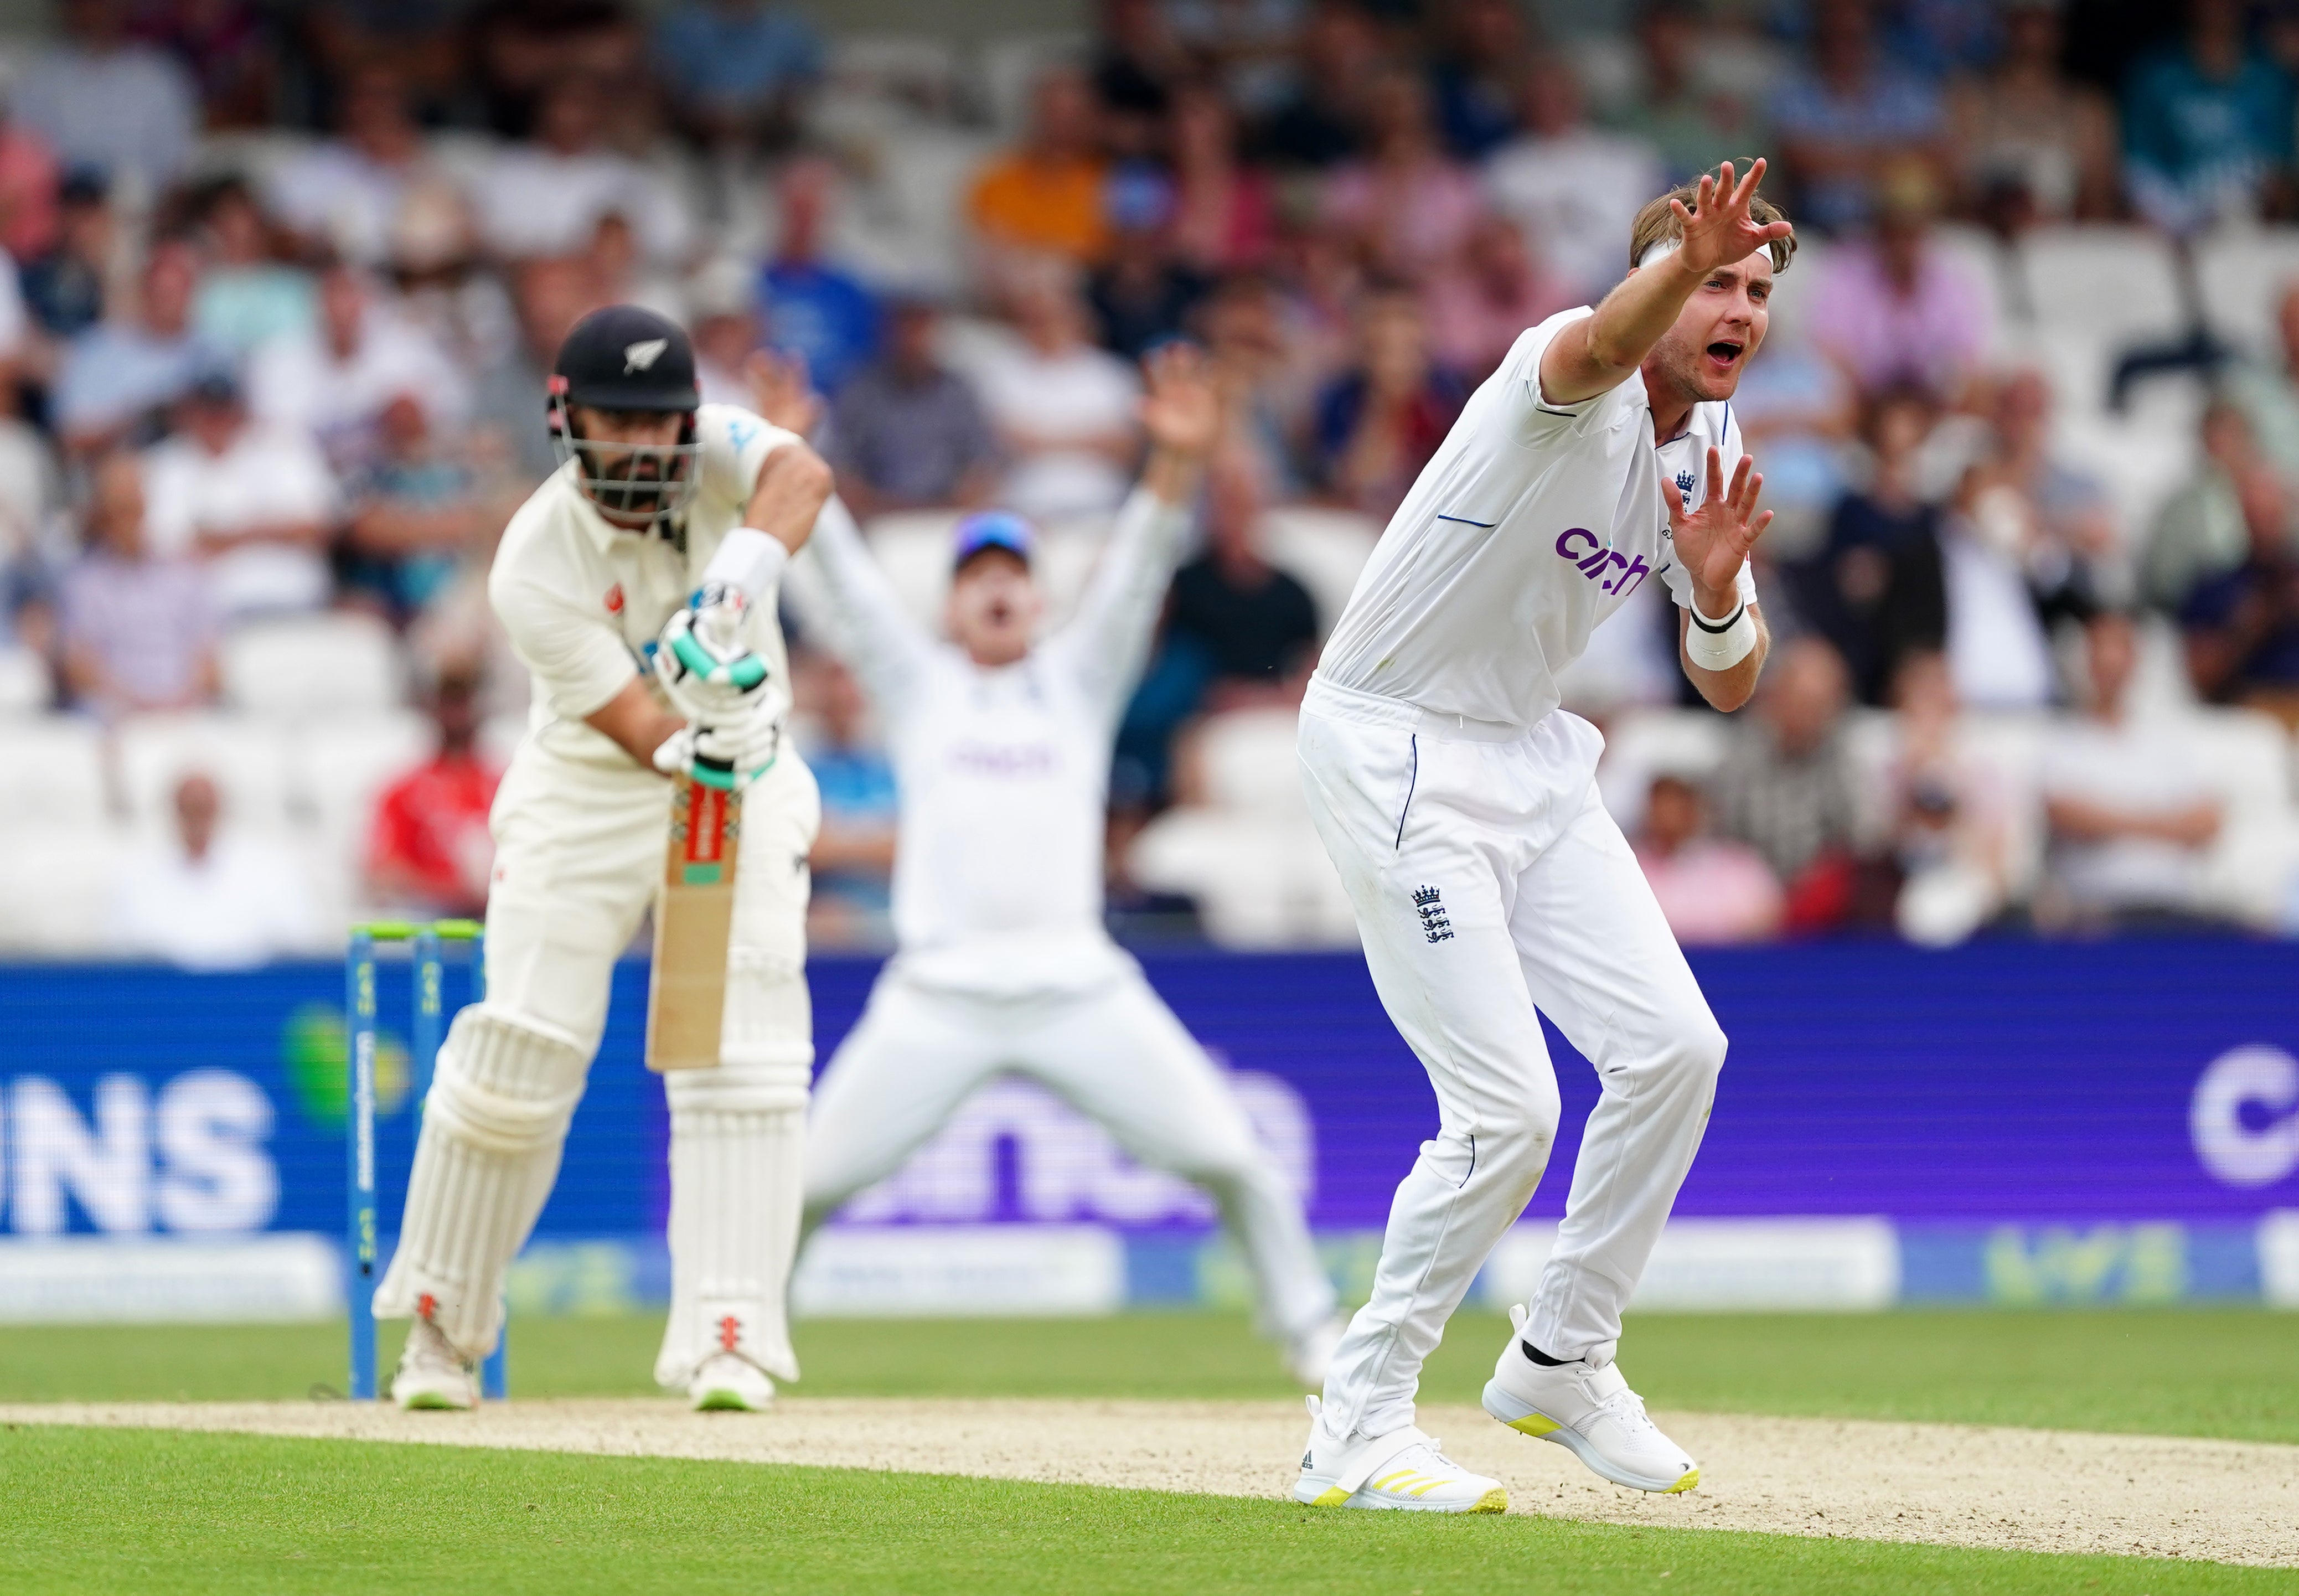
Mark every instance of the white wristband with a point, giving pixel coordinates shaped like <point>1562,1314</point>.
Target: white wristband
<point>1719,645</point>
<point>748,559</point>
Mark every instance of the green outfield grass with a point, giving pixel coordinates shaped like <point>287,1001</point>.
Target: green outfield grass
<point>2228,1373</point>
<point>158,1512</point>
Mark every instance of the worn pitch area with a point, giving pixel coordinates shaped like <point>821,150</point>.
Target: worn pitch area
<point>2048,1491</point>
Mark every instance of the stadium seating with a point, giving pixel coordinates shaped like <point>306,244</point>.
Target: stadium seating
<point>62,876</point>
<point>342,766</point>
<point>247,757</point>
<point>312,664</point>
<point>2241,275</point>
<point>1242,845</point>
<point>1326,549</point>
<point>51,773</point>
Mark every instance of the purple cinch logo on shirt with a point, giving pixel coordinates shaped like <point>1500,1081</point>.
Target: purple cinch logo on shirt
<point>1596,561</point>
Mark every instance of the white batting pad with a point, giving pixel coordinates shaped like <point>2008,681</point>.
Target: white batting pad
<point>735,1186</point>
<point>494,1123</point>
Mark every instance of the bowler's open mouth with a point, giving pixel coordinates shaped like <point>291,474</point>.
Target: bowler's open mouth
<point>1725,351</point>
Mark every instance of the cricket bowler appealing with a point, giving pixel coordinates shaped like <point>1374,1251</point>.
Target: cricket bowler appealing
<point>667,521</point>
<point>1459,804</point>
<point>1001,745</point>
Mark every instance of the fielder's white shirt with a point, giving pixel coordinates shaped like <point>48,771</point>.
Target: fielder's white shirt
<point>1004,773</point>
<point>584,599</point>
<point>1533,522</point>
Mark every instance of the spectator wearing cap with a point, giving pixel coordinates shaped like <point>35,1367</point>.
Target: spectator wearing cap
<point>812,306</point>
<point>350,193</point>
<point>907,433</point>
<point>1064,410</point>
<point>1045,195</point>
<point>333,381</point>
<point>2129,812</point>
<point>256,504</point>
<point>428,849</point>
<point>247,295</point>
<point>736,69</point>
<point>1843,117</point>
<point>2207,123</point>
<point>1712,890</point>
<point>118,375</point>
<point>1143,294</point>
<point>138,628</point>
<point>206,897</point>
<point>63,285</point>
<point>1571,188</point>
<point>102,100</point>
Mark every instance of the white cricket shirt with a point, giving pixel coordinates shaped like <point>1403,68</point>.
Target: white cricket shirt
<point>584,599</point>
<point>1004,774</point>
<point>1533,522</point>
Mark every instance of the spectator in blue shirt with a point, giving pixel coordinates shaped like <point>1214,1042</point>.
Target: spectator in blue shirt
<point>2206,123</point>
<point>736,68</point>
<point>810,307</point>
<point>1839,119</point>
<point>121,373</point>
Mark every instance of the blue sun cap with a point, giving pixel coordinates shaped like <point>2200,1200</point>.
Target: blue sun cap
<point>988,529</point>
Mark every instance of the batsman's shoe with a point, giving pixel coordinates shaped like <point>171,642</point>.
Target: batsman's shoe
<point>1590,1410</point>
<point>1404,1470</point>
<point>1310,1354</point>
<point>432,1376</point>
<point>730,1383</point>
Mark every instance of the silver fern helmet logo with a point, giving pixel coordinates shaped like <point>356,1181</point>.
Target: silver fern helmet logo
<point>642,356</point>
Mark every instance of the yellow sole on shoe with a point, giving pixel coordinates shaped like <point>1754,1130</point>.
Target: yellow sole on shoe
<point>1533,1424</point>
<point>1691,1481</point>
<point>1495,1500</point>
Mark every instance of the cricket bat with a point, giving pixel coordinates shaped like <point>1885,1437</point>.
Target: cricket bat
<point>694,922</point>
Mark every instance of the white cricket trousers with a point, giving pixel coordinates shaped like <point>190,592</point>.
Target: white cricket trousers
<point>578,862</point>
<point>1489,883</point>
<point>1117,1055</point>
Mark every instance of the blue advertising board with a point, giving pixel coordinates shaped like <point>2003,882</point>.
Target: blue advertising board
<point>2074,1090</point>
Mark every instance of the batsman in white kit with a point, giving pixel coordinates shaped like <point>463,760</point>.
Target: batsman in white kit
<point>1459,804</point>
<point>638,585</point>
<point>1002,749</point>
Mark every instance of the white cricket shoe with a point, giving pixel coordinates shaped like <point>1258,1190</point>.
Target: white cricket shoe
<point>1404,1470</point>
<point>432,1376</point>
<point>1311,1353</point>
<point>1590,1410</point>
<point>730,1383</point>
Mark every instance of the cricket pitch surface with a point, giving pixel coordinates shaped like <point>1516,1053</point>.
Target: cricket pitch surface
<point>2052,1491</point>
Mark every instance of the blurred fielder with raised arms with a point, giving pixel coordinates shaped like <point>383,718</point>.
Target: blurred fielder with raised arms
<point>1002,749</point>
<point>1459,804</point>
<point>660,502</point>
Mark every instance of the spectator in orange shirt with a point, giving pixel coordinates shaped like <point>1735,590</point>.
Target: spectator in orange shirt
<point>1047,194</point>
<point>429,851</point>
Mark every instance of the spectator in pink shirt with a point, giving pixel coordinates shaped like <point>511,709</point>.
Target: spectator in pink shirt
<point>1478,306</point>
<point>1895,310</point>
<point>1712,891</point>
<point>1409,206</point>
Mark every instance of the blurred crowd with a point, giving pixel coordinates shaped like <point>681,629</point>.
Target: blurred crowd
<point>280,285</point>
